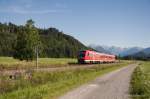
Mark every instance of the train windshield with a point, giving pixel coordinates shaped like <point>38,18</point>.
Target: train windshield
<point>81,54</point>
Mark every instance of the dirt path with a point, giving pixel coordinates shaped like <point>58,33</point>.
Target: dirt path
<point>114,85</point>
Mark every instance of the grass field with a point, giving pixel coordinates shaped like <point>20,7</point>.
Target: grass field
<point>140,83</point>
<point>10,63</point>
<point>50,85</point>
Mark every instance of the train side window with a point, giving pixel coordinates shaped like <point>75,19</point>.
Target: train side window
<point>88,54</point>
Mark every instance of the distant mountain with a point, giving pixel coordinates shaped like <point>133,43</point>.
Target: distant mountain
<point>130,51</point>
<point>146,50</point>
<point>108,49</point>
<point>142,55</point>
<point>114,50</point>
<point>99,49</point>
<point>117,50</point>
<point>126,53</point>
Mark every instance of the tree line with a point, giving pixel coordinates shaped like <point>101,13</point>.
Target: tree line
<point>20,41</point>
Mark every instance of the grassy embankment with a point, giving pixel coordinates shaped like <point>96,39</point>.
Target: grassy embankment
<point>10,63</point>
<point>49,85</point>
<point>140,82</point>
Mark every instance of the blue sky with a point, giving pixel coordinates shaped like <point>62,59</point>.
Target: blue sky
<point>124,23</point>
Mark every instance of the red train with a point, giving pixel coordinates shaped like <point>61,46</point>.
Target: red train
<point>88,56</point>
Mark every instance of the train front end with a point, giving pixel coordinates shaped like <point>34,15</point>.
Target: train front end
<point>81,57</point>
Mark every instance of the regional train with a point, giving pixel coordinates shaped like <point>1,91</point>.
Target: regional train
<point>89,56</point>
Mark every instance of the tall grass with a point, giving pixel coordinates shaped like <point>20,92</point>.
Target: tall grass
<point>11,63</point>
<point>48,85</point>
<point>140,82</point>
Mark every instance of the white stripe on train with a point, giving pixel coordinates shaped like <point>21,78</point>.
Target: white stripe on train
<point>97,60</point>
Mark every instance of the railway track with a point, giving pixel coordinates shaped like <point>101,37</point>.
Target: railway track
<point>50,68</point>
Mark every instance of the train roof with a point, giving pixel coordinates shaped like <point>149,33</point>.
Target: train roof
<point>99,53</point>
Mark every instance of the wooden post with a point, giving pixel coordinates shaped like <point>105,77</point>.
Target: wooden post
<point>37,56</point>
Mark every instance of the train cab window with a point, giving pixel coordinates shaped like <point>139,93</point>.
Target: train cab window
<point>81,54</point>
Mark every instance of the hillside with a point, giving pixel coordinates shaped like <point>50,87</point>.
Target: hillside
<point>54,42</point>
<point>130,51</point>
<point>146,51</point>
<point>143,55</point>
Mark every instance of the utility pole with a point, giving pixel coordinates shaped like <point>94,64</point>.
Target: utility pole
<point>119,58</point>
<point>37,56</point>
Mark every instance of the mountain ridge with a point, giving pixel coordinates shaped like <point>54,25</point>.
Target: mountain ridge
<point>141,55</point>
<point>119,51</point>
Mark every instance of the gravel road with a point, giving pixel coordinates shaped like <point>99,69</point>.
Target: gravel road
<point>114,85</point>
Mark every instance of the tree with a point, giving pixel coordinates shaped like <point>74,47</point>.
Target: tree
<point>14,40</point>
<point>27,41</point>
<point>6,43</point>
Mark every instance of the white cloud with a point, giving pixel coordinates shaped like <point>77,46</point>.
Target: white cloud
<point>34,12</point>
<point>25,10</point>
<point>27,7</point>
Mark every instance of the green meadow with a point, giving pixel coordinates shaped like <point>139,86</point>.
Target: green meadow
<point>50,85</point>
<point>11,63</point>
<point>140,82</point>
